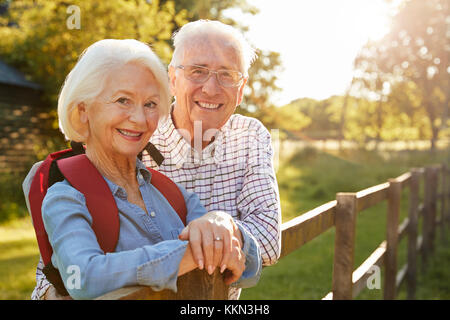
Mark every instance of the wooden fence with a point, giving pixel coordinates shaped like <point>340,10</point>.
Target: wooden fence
<point>342,214</point>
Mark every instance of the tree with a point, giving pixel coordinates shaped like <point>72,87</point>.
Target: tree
<point>373,82</point>
<point>36,40</point>
<point>213,9</point>
<point>263,73</point>
<point>260,87</point>
<point>41,45</point>
<point>416,51</point>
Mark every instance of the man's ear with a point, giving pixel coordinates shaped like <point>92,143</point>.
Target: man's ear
<point>241,91</point>
<point>172,79</point>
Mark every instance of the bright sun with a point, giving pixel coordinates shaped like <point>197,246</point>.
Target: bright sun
<point>317,40</point>
<point>371,17</point>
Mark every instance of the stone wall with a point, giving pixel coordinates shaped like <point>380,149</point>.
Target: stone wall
<point>23,131</point>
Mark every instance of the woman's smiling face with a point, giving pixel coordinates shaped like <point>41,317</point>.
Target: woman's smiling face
<point>125,114</point>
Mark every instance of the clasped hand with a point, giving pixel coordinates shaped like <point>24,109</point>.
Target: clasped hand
<point>216,241</point>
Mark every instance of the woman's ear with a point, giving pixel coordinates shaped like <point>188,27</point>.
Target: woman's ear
<point>80,121</point>
<point>82,114</point>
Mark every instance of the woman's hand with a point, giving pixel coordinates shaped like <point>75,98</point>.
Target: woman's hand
<point>211,240</point>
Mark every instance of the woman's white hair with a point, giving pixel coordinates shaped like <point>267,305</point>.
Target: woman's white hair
<point>198,28</point>
<point>86,80</point>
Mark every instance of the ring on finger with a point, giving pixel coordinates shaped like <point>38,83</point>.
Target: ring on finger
<point>217,239</point>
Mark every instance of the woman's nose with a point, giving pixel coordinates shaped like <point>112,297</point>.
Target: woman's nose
<point>137,115</point>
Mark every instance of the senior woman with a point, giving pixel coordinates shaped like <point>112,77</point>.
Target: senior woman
<point>112,101</point>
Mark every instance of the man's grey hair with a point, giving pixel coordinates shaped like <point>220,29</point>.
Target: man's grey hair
<point>211,28</point>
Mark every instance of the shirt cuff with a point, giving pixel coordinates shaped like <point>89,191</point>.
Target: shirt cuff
<point>162,273</point>
<point>253,261</point>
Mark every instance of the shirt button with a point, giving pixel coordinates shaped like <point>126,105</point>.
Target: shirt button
<point>152,214</point>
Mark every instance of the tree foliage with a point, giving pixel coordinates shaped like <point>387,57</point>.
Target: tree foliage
<point>263,73</point>
<point>36,39</point>
<point>408,72</point>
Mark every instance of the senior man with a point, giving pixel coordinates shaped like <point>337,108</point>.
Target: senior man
<point>225,158</point>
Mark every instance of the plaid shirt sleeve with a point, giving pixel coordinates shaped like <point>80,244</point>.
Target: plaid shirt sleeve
<point>259,202</point>
<point>42,284</point>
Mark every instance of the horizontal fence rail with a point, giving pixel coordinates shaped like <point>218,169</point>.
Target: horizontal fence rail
<point>304,228</point>
<point>342,214</point>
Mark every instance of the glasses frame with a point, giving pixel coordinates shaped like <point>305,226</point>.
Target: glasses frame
<point>216,72</point>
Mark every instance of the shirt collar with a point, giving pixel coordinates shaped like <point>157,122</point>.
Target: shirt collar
<point>143,176</point>
<point>181,151</point>
<point>142,169</point>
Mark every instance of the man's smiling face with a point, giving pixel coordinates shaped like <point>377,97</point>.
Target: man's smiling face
<point>208,102</point>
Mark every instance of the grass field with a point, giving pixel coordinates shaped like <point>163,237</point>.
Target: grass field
<point>311,178</point>
<point>19,255</point>
<point>306,180</point>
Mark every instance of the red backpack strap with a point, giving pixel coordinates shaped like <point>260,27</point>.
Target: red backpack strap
<point>84,176</point>
<point>38,190</point>
<point>171,192</point>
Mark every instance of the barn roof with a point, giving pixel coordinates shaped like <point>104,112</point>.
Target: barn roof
<point>11,76</point>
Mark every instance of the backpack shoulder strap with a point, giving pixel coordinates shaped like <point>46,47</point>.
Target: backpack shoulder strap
<point>99,199</point>
<point>38,190</point>
<point>171,192</point>
<point>84,176</point>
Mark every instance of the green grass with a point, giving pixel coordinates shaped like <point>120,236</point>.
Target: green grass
<point>12,201</point>
<point>19,256</point>
<point>311,178</point>
<point>306,180</point>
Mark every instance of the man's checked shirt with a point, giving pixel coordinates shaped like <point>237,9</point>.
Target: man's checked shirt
<point>234,174</point>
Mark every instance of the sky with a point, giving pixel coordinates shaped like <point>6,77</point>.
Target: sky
<point>317,40</point>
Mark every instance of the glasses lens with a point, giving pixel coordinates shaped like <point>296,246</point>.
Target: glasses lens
<point>196,73</point>
<point>229,78</point>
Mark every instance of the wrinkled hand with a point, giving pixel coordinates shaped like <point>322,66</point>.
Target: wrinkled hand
<point>52,294</point>
<point>202,234</point>
<point>236,265</point>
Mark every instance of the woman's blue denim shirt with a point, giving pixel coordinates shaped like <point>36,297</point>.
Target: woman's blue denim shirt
<point>148,251</point>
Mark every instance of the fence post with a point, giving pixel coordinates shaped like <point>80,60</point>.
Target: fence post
<point>447,194</point>
<point>194,285</point>
<point>412,234</point>
<point>433,205</point>
<point>426,218</point>
<point>344,245</point>
<point>442,194</point>
<point>390,262</point>
<point>446,191</point>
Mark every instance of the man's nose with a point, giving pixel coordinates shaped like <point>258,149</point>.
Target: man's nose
<point>211,87</point>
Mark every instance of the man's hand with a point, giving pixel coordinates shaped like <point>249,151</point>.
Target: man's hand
<point>236,264</point>
<point>211,240</point>
<point>52,294</point>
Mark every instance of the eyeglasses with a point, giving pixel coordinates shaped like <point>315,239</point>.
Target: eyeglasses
<point>199,74</point>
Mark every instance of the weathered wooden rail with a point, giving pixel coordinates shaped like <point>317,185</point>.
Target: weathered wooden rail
<point>342,214</point>
<point>348,283</point>
<point>195,285</point>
